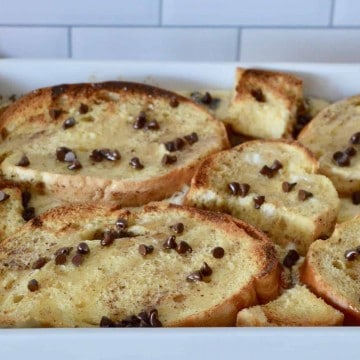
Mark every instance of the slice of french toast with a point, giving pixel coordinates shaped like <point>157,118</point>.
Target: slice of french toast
<point>118,142</point>
<point>272,185</point>
<point>88,265</point>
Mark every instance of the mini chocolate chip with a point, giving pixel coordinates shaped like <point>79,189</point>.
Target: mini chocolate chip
<point>83,109</point>
<point>170,243</point>
<point>258,201</point>
<point>24,161</point>
<point>61,152</point>
<point>70,156</point>
<point>206,99</point>
<point>153,319</point>
<point>244,189</point>
<point>168,159</point>
<point>192,138</point>
<point>105,322</point>
<point>179,143</point>
<point>183,248</point>
<point>121,223</point>
<point>111,155</point>
<point>83,248</point>
<point>60,259</point>
<point>25,198</point>
<point>3,196</point>
<point>234,188</point>
<point>39,263</point>
<point>75,165</point>
<point>304,195</point>
<point>136,164</point>
<point>194,276</point>
<point>205,270</point>
<point>55,113</point>
<point>355,197</point>
<point>350,151</point>
<point>351,255</point>
<point>145,249</point>
<point>108,237</point>
<point>33,285</point>
<point>177,228</point>
<point>258,95</point>
<point>96,156</point>
<point>276,165</point>
<point>287,187</point>
<point>355,138</point>
<point>267,171</point>
<point>341,158</point>
<point>170,146</point>
<point>78,259</point>
<point>174,102</point>
<point>28,213</point>
<point>153,125</point>
<point>218,252</point>
<point>291,258</point>
<point>63,251</point>
<point>140,121</point>
<point>58,90</point>
<point>68,123</point>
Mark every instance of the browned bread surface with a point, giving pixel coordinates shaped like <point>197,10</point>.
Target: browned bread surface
<point>139,121</point>
<point>119,280</point>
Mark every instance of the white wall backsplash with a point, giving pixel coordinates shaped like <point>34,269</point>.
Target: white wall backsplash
<point>182,30</point>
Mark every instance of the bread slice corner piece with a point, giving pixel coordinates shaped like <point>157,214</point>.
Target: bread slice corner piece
<point>122,278</point>
<point>265,103</point>
<point>332,269</point>
<point>159,136</point>
<point>294,307</point>
<point>329,134</point>
<point>286,217</point>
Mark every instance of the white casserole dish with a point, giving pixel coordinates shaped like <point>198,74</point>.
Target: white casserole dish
<point>329,81</point>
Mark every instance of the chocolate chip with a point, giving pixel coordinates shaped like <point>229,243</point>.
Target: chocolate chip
<point>153,125</point>
<point>111,155</point>
<point>25,198</point>
<point>170,243</point>
<point>24,161</point>
<point>183,248</point>
<point>96,156</point>
<point>33,285</point>
<point>206,99</point>
<point>58,90</point>
<point>350,151</point>
<point>63,251</point>
<point>78,259</point>
<point>39,263</point>
<point>258,201</point>
<point>105,322</point>
<point>68,123</point>
<point>291,258</point>
<point>28,213</point>
<point>55,113</point>
<point>234,188</point>
<point>355,197</point>
<point>153,319</point>
<point>244,189</point>
<point>108,237</point>
<point>61,152</point>
<point>174,103</point>
<point>12,97</point>
<point>258,95</point>
<point>192,138</point>
<point>267,171</point>
<point>60,259</point>
<point>177,228</point>
<point>341,158</point>
<point>121,223</point>
<point>355,138</point>
<point>303,119</point>
<point>83,109</point>
<point>358,249</point>
<point>170,146</point>
<point>75,165</point>
<point>70,156</point>
<point>83,248</point>
<point>140,121</point>
<point>304,195</point>
<point>168,159</point>
<point>218,252</point>
<point>205,270</point>
<point>194,276</point>
<point>287,187</point>
<point>3,196</point>
<point>276,165</point>
<point>136,164</point>
<point>145,249</point>
<point>179,144</point>
<point>351,255</point>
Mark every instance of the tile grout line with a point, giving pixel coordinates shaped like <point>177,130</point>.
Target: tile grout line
<point>160,12</point>
<point>69,42</point>
<point>238,46</point>
<point>332,14</point>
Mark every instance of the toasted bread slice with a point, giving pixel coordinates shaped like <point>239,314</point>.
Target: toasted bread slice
<point>330,137</point>
<point>303,213</point>
<point>122,275</point>
<point>11,209</point>
<point>135,143</point>
<point>294,307</point>
<point>332,269</point>
<point>265,103</point>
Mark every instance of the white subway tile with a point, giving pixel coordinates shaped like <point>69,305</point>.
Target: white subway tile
<point>331,45</point>
<point>155,44</point>
<point>32,42</point>
<point>246,12</point>
<point>347,12</point>
<point>80,12</point>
